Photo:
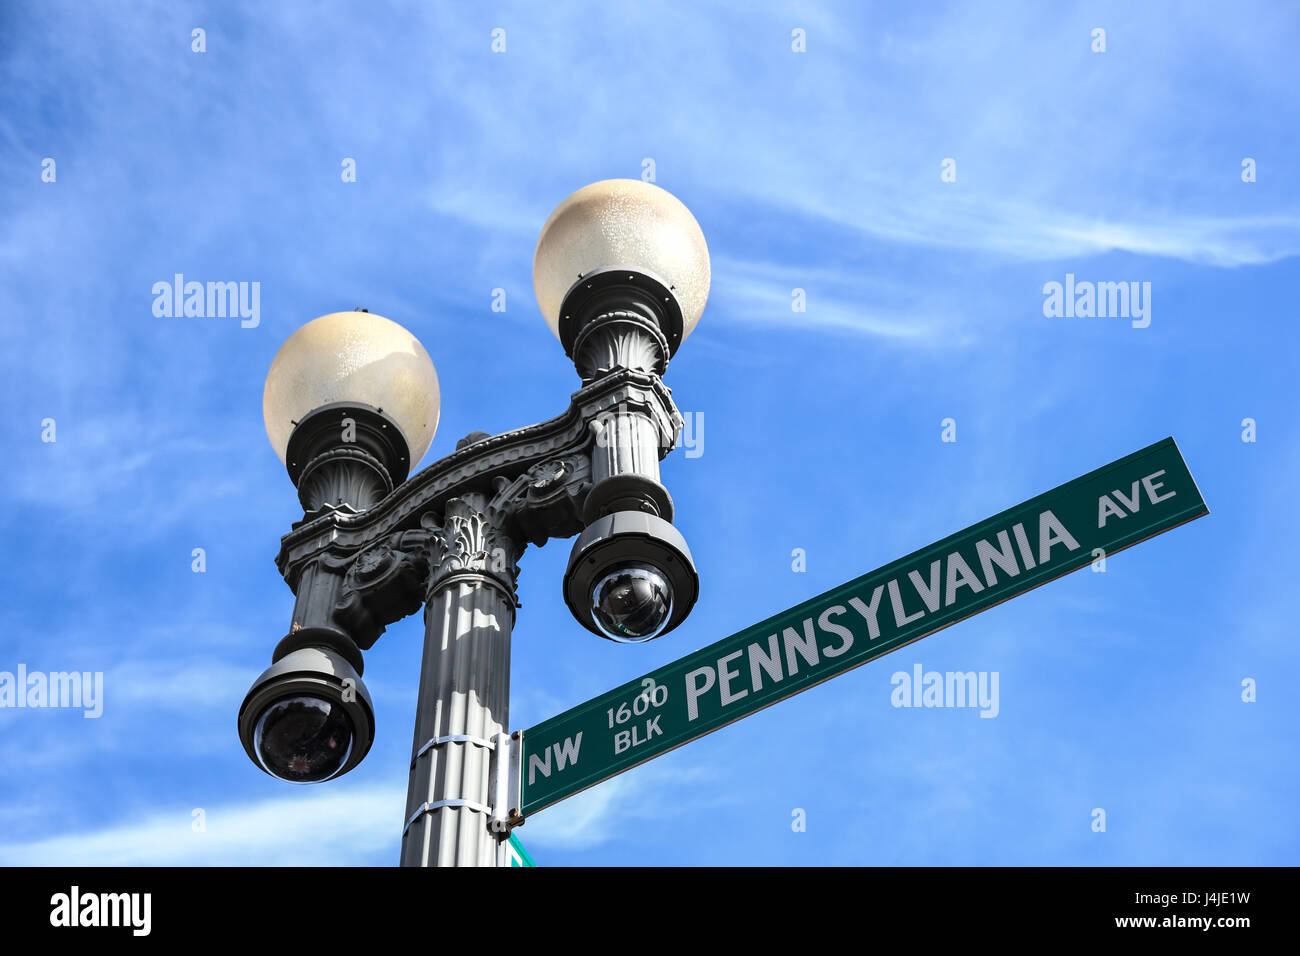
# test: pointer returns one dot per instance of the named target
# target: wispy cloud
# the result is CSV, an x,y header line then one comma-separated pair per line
x,y
762,293
328,827
654,791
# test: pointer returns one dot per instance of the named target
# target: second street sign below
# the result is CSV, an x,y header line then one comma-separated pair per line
x,y
1100,513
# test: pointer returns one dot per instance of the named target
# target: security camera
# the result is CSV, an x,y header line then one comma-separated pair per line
x,y
630,577
308,718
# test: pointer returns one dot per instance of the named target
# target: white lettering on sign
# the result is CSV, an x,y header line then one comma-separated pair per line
x,y
912,596
652,695
901,617
627,739
929,593
1052,532
839,630
694,690
726,676
961,576
768,661
1108,508
868,611
566,754
1002,556
805,647
1022,542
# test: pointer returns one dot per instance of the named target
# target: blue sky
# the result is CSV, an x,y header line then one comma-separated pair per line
x,y
817,170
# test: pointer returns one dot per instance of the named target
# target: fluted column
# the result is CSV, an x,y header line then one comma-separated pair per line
x,y
464,690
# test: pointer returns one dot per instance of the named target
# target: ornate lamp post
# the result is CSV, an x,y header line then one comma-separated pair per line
x,y
621,273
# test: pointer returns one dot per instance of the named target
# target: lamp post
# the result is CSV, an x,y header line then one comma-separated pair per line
x,y
621,273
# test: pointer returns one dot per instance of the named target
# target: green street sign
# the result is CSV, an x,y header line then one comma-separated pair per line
x,y
516,855
1096,515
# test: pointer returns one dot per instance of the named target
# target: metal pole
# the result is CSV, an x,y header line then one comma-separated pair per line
x,y
464,691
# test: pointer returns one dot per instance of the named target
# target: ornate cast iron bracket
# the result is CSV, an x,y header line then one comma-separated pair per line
x,y
474,511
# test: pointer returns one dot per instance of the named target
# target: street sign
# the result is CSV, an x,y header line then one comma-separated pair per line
x,y
1094,516
516,854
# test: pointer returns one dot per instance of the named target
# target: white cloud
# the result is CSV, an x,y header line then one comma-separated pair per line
x,y
320,828
333,827
585,820
761,293
658,790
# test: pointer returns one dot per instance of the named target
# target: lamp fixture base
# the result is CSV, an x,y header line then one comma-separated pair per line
x,y
620,317
346,455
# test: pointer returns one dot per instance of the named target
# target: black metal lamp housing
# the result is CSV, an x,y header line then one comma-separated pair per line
x,y
630,577
308,717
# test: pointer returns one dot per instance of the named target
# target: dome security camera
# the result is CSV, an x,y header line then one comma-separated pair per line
x,y
308,717
630,577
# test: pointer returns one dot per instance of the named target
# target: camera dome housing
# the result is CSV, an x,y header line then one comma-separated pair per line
x,y
630,577
308,717
632,603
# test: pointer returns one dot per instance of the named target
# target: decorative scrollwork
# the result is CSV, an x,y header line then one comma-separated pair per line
x,y
546,501
546,476
468,540
383,584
